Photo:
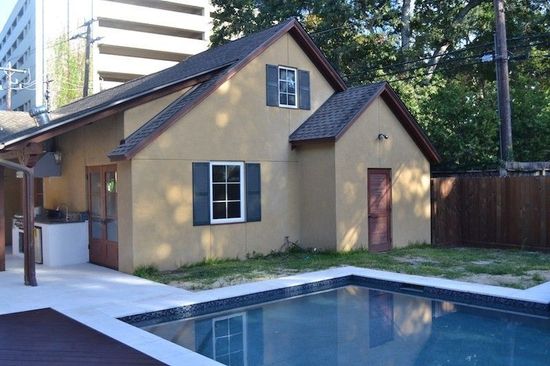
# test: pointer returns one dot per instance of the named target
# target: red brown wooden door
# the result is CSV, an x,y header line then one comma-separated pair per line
x,y
379,209
102,208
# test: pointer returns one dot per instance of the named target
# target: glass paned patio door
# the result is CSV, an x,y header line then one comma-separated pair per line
x,y
102,206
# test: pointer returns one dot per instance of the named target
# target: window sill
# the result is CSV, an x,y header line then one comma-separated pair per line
x,y
227,221
288,107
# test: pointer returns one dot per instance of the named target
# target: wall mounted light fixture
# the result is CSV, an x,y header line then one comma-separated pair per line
x,y
58,157
382,136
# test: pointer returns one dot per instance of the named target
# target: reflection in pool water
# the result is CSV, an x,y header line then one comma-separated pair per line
x,y
354,325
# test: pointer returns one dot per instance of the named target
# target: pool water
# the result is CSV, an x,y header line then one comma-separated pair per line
x,y
354,325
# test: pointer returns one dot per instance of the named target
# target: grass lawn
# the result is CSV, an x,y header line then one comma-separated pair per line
x,y
511,268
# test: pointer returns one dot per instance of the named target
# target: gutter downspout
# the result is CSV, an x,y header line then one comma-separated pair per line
x,y
28,220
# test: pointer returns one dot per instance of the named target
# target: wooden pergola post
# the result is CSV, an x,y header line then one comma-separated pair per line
x,y
28,219
28,233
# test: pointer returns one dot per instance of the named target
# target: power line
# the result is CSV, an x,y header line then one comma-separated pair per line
x,y
444,55
9,75
458,66
447,60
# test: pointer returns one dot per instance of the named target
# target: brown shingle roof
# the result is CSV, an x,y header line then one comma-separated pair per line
x,y
244,50
336,113
342,109
14,122
204,63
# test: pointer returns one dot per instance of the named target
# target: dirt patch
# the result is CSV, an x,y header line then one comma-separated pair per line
x,y
484,262
530,279
232,280
414,260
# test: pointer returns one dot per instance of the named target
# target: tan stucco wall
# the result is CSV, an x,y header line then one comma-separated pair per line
x,y
233,123
125,205
89,146
358,150
164,234
317,196
86,146
135,117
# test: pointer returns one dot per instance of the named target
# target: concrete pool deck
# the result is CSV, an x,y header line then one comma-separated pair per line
x,y
96,296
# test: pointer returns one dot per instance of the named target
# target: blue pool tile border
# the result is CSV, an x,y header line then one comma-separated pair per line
x,y
215,306
461,297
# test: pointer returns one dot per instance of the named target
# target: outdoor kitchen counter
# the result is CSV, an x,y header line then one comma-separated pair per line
x,y
58,242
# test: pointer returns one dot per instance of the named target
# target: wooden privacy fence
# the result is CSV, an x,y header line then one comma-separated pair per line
x,y
511,212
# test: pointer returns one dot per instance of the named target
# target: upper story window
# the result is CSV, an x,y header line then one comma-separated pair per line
x,y
287,87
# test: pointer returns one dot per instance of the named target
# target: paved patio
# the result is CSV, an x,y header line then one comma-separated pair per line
x,y
96,296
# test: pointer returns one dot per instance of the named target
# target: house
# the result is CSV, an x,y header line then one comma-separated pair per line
x,y
238,150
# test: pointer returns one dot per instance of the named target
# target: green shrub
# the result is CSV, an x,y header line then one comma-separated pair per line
x,y
149,272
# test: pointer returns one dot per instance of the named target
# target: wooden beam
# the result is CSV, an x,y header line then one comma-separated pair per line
x,y
28,234
2,221
28,219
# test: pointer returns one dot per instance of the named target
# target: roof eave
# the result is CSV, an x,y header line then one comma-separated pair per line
x,y
304,40
360,111
176,85
311,49
407,120
296,142
411,125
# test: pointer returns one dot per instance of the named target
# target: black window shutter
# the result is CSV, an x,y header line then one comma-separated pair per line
x,y
272,87
303,90
201,194
253,192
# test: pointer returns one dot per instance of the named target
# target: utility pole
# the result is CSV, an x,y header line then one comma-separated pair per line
x,y
503,84
87,35
9,75
48,81
87,61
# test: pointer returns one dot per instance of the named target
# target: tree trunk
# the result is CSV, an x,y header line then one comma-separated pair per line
x,y
436,56
406,15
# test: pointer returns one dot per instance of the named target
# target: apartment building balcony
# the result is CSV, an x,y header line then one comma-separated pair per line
x,y
146,45
117,15
124,68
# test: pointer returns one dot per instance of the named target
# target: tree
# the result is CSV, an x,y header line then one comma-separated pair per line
x,y
66,70
430,51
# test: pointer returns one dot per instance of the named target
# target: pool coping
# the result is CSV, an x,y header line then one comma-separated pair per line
x,y
173,354
415,288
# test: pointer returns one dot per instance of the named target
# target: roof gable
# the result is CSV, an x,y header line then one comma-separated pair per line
x,y
332,118
150,130
218,63
342,109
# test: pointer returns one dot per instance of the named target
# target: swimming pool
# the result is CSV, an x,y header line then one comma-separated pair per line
x,y
358,322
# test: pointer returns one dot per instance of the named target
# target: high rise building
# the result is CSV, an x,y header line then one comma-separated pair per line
x,y
127,38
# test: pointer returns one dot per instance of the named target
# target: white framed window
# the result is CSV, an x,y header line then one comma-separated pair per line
x,y
227,197
288,87
229,339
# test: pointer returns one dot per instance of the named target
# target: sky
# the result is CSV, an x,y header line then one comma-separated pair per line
x,y
6,6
